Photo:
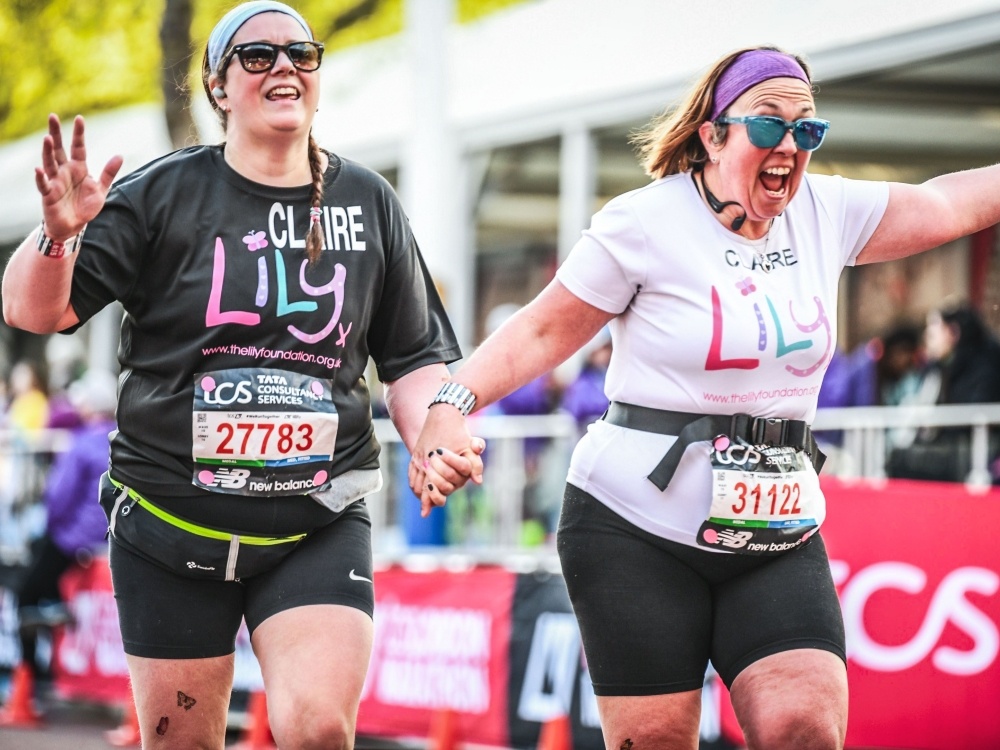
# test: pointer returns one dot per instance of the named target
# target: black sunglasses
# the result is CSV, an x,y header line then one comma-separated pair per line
x,y
765,131
260,57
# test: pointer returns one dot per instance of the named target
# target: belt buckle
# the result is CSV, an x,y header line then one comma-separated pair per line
x,y
769,430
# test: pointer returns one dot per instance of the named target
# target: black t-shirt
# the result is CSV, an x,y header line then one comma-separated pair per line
x,y
211,270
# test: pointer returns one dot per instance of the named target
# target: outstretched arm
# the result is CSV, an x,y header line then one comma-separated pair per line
x,y
540,336
921,217
36,287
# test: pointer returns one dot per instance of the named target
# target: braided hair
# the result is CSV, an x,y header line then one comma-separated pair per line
x,y
314,239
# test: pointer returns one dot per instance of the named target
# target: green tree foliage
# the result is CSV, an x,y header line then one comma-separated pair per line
x,y
67,56
70,56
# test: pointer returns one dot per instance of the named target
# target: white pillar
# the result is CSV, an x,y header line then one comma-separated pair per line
x,y
577,188
431,182
577,185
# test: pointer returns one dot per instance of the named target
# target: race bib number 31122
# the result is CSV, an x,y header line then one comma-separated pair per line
x,y
766,498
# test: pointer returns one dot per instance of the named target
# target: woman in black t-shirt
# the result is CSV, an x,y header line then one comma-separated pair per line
x,y
258,277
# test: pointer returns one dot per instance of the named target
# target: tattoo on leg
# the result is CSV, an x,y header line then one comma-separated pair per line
x,y
161,728
626,745
185,701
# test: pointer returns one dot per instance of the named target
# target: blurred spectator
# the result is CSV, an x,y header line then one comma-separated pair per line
x,y
883,371
66,359
963,367
899,366
965,353
29,402
584,398
75,523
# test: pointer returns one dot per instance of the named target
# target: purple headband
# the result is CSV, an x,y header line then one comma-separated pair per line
x,y
749,69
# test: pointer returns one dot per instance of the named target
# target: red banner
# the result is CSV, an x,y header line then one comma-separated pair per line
x,y
915,563
441,644
89,661
918,573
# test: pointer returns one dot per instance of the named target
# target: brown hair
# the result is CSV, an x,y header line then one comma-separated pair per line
x,y
314,238
670,143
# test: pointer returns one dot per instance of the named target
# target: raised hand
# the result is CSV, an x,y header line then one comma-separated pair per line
x,y
70,195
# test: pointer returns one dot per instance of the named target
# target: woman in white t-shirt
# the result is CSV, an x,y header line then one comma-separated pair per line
x,y
688,525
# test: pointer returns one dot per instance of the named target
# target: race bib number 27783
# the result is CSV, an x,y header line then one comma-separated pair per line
x,y
261,431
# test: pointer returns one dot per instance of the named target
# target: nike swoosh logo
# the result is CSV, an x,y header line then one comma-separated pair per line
x,y
355,577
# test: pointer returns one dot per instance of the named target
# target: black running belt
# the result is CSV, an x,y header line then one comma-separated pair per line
x,y
691,428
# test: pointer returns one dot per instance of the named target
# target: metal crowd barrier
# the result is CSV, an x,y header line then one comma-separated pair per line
x,y
526,462
865,447
25,459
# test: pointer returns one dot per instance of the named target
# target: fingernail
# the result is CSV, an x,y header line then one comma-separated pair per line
x,y
426,463
430,487
439,451
430,454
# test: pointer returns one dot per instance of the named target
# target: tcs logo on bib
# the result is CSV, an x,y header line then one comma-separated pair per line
x,y
229,393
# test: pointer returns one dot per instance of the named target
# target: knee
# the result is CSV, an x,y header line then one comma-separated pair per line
x,y
315,733
314,730
794,730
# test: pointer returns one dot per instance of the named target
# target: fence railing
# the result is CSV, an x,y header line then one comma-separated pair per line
x,y
867,431
516,508
25,459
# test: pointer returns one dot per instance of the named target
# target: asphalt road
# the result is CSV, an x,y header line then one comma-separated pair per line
x,y
78,726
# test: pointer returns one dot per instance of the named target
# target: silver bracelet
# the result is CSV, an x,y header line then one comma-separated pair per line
x,y
456,395
54,249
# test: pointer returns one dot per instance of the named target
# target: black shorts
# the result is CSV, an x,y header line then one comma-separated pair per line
x,y
652,612
164,615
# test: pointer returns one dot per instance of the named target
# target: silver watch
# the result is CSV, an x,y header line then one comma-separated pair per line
x,y
458,396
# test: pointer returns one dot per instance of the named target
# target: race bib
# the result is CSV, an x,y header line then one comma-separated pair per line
x,y
262,432
766,499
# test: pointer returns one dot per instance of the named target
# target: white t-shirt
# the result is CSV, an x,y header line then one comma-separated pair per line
x,y
702,328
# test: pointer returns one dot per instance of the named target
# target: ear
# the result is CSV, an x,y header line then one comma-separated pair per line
x,y
215,86
706,131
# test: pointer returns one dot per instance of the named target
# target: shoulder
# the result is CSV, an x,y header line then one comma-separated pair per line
x,y
674,187
357,174
823,188
631,213
191,160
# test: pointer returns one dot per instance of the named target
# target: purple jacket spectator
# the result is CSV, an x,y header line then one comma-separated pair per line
x,y
75,520
531,399
584,398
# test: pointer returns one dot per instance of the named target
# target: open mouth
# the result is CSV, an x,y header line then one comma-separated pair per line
x,y
774,180
282,93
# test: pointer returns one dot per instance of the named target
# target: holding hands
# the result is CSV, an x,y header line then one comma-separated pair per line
x,y
445,457
71,197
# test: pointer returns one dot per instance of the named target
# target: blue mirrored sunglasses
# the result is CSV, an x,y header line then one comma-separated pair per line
x,y
765,131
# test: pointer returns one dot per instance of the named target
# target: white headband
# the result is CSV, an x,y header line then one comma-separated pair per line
x,y
226,28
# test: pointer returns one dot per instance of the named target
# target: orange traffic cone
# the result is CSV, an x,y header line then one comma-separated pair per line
x,y
127,733
257,735
556,734
20,709
444,732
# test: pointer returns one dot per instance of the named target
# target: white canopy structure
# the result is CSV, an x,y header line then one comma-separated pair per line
x,y
912,88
